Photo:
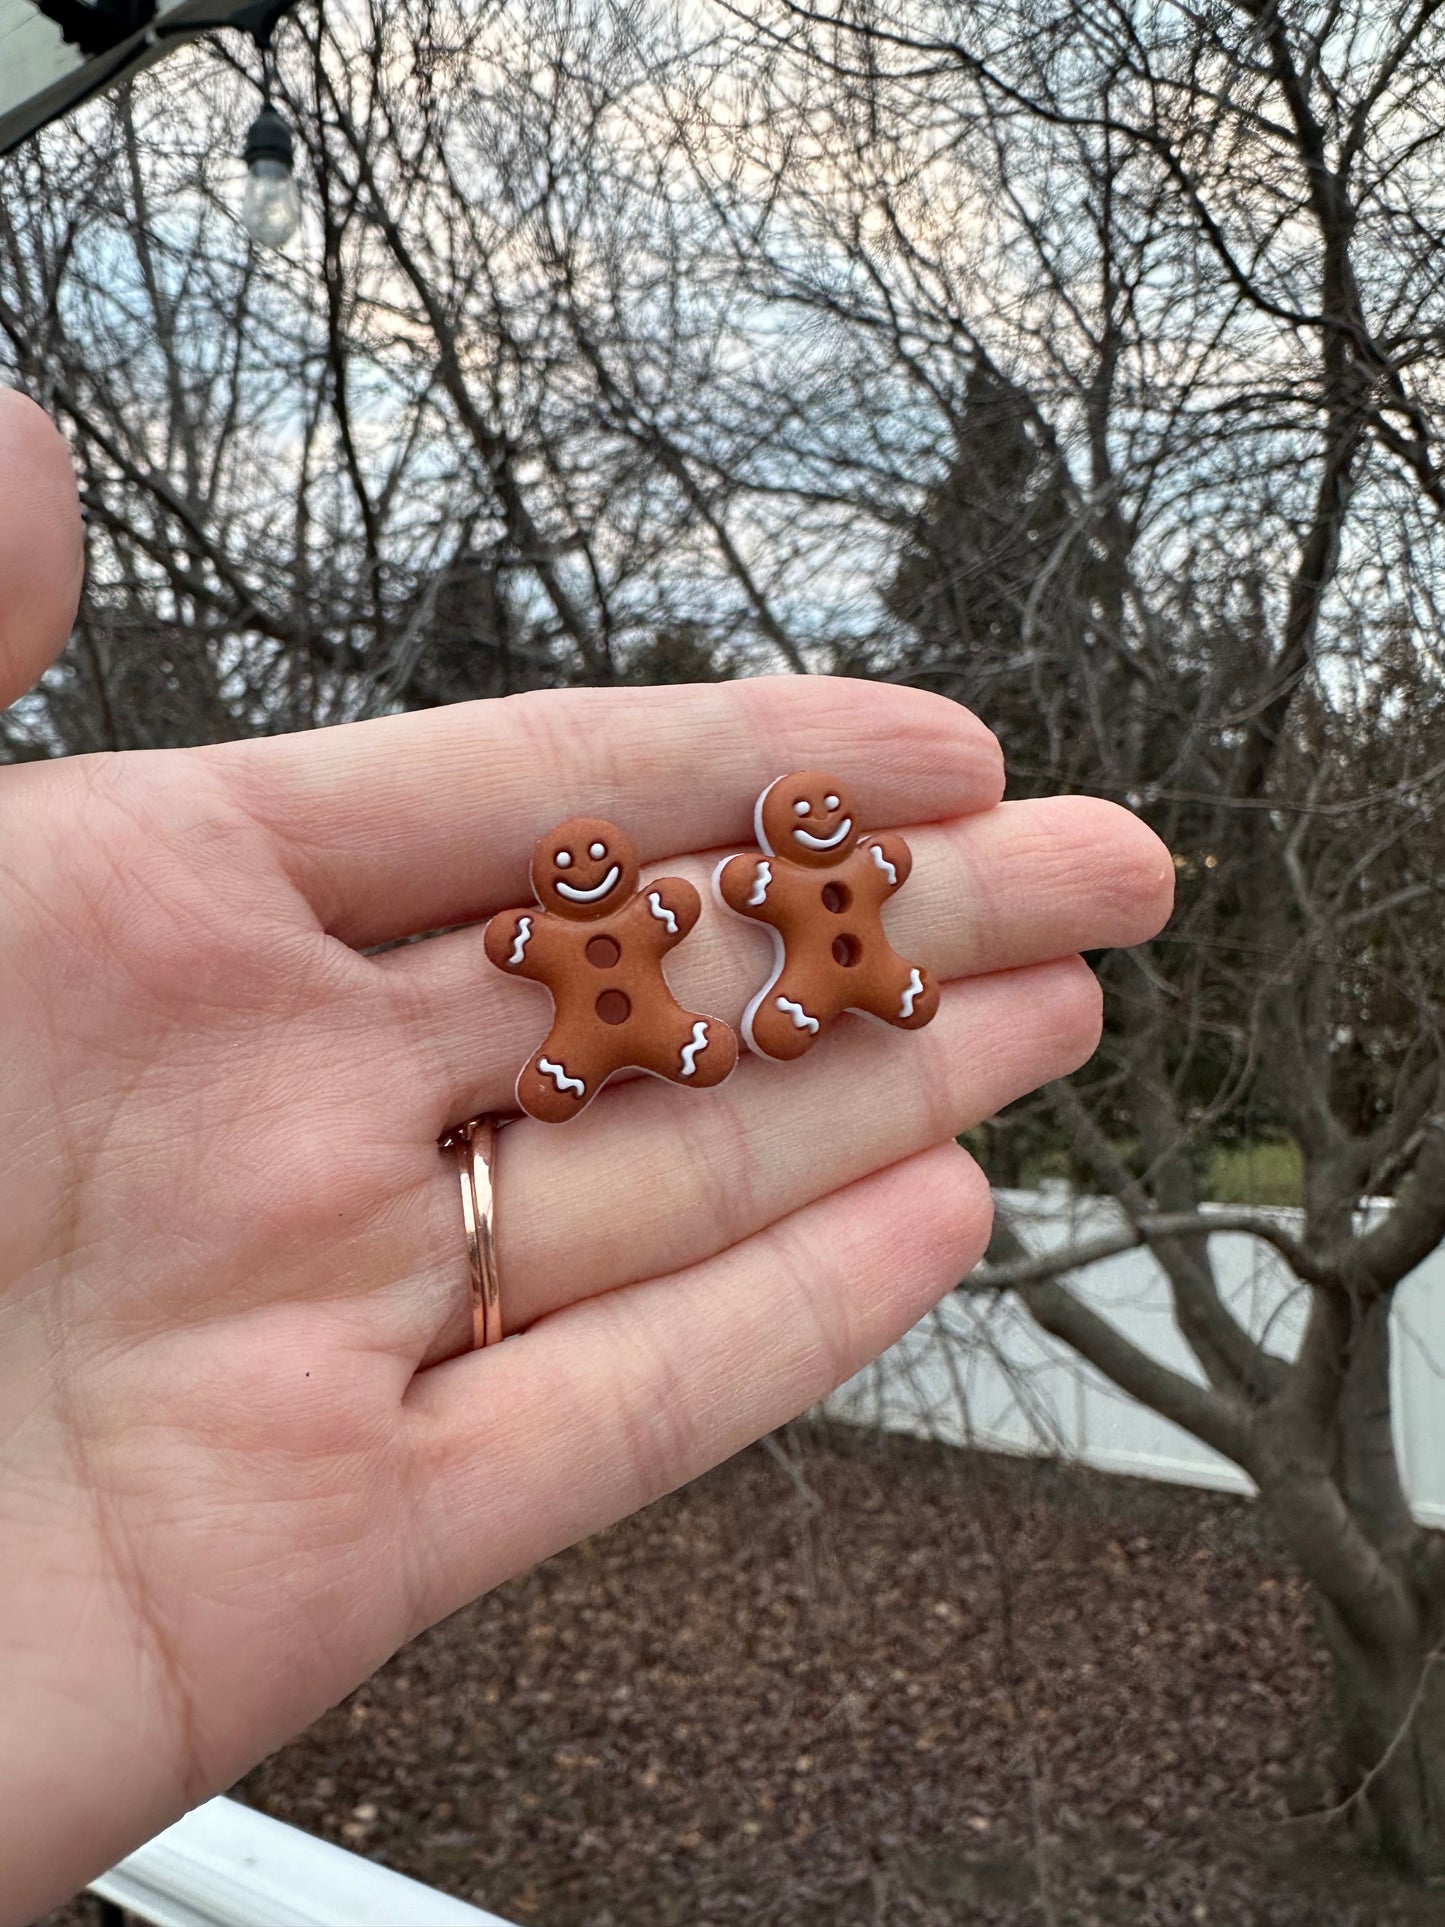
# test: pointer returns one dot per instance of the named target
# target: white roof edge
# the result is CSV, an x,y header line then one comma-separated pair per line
x,y
86,76
225,1865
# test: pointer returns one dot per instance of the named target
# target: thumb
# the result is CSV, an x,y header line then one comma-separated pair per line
x,y
42,553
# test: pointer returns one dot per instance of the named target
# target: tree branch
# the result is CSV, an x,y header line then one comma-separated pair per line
x,y
1160,1228
1219,1419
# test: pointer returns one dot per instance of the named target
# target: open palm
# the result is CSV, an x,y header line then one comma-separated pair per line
x,y
241,1458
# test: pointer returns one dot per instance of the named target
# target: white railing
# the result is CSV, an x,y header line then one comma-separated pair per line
x,y
226,1865
979,1371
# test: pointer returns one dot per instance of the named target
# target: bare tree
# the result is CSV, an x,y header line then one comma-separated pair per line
x,y
433,452
1160,293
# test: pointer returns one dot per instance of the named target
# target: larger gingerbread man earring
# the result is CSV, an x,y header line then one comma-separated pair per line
x,y
822,886
597,942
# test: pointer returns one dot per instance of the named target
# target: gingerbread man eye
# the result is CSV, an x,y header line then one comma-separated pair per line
x,y
800,809
564,859
597,851
830,802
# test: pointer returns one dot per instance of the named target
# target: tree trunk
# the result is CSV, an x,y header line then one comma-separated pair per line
x,y
1391,1706
1325,1461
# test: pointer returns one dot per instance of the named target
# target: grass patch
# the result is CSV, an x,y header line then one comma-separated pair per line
x,y
1265,1171
1268,1172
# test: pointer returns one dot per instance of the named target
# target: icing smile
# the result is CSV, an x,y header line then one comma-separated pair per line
x,y
596,893
811,842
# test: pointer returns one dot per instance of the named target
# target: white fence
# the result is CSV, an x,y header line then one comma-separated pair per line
x,y
978,1371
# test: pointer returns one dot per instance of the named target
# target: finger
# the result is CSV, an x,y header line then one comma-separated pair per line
x,y
519,1451
414,822
41,545
993,891
652,1180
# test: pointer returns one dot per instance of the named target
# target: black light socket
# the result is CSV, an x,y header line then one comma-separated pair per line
x,y
270,139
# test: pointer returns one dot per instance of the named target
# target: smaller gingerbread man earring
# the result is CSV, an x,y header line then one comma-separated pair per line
x,y
821,886
597,942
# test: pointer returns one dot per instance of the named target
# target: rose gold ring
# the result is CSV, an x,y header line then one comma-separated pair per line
x,y
475,1144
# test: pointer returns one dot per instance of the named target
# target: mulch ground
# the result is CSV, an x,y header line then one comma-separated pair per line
x,y
876,1682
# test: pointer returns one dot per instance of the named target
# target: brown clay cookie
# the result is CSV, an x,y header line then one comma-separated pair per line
x,y
821,886
597,942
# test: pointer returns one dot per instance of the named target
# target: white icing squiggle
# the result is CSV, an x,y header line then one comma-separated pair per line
x,y
558,1075
760,883
524,937
912,994
875,851
690,1051
800,1017
660,910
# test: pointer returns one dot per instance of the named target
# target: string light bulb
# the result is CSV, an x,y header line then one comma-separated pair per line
x,y
271,204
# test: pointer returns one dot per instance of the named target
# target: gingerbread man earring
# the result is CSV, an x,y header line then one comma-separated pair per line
x,y
821,887
597,942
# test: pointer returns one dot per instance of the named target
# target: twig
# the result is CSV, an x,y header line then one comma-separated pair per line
x,y
1360,1793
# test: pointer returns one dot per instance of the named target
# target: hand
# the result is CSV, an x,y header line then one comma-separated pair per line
x,y
235,1472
